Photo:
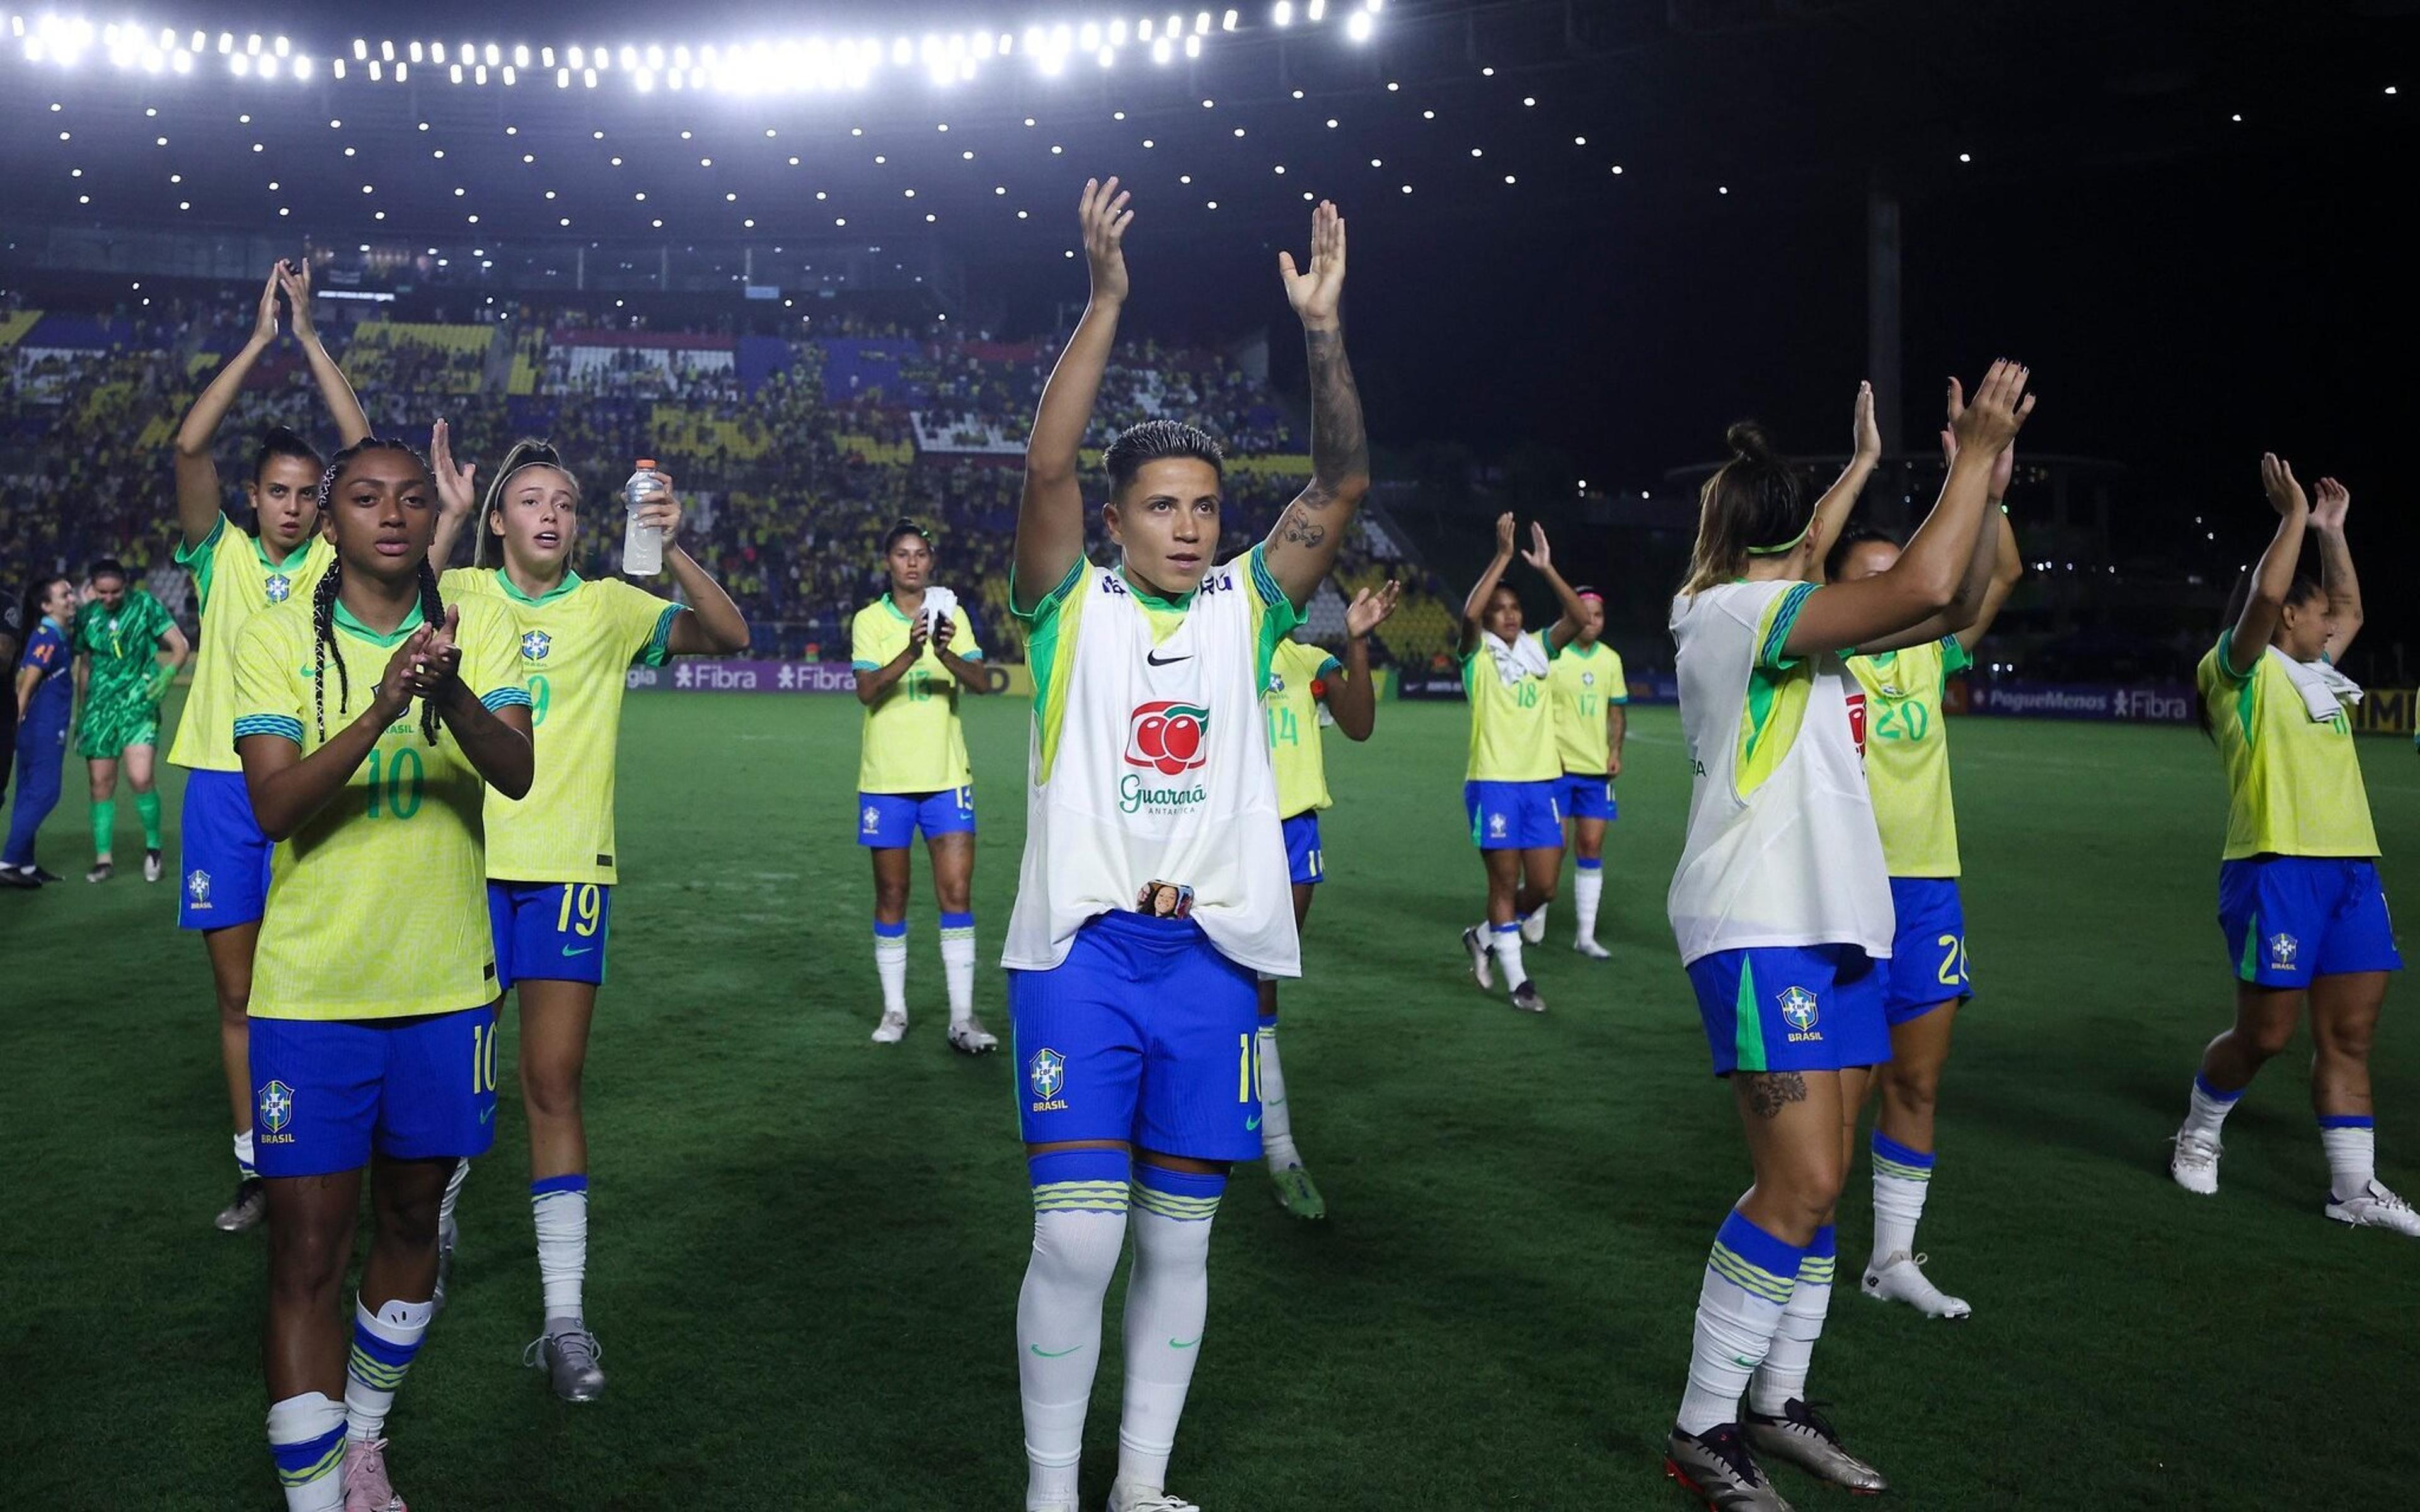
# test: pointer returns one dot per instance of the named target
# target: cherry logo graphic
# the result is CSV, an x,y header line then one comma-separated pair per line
x,y
1857,719
1166,736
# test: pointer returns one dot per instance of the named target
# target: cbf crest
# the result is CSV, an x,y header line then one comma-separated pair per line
x,y
276,1107
1046,1074
278,586
1798,1011
535,644
197,887
2283,949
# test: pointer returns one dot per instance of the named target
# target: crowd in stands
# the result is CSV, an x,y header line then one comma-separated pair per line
x,y
794,456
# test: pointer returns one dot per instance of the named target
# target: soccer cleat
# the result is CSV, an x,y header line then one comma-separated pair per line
x,y
1526,998
245,1210
1297,1194
152,866
1802,1436
892,1028
2195,1164
569,1354
969,1037
13,877
1593,950
448,1235
1900,1278
1718,1469
1476,944
101,872
2375,1206
40,875
1127,1497
1534,926
366,1488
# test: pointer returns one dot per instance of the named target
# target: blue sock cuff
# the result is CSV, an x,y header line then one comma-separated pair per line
x,y
1824,1245
1886,1148
1514,928
2203,1087
1179,1183
1062,1165
1591,863
1743,1238
2347,1120
890,932
381,1361
576,1181
957,920
299,1463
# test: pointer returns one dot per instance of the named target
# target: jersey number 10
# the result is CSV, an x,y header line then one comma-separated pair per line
x,y
402,793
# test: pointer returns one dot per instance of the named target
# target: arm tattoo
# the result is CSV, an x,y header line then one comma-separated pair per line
x,y
1769,1093
1298,527
1340,448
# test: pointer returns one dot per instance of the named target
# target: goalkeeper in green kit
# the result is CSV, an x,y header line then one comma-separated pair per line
x,y
120,678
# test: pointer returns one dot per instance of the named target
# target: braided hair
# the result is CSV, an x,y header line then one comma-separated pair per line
x,y
323,603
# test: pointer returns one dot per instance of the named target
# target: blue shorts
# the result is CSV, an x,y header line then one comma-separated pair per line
x,y
1583,797
889,821
550,930
2288,919
1791,1007
325,1093
224,854
1928,963
1304,864
1515,816
1143,1034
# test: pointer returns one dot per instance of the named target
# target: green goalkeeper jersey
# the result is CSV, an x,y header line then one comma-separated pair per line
x,y
124,645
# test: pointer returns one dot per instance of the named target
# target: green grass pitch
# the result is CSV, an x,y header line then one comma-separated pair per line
x,y
806,1249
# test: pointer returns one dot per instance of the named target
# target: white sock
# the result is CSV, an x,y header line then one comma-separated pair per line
x,y
447,1229
1277,1119
1783,1374
1505,940
1749,1279
1533,925
1168,1296
243,1157
1079,1229
1587,887
2208,1108
559,1204
1902,1178
958,964
307,1438
2351,1144
383,1344
890,965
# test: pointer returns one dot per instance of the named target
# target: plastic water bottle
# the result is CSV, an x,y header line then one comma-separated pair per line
x,y
642,546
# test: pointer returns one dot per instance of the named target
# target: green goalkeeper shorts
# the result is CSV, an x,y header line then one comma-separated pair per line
x,y
107,729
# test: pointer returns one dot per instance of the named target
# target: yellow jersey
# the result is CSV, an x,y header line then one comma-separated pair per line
x,y
1907,754
571,646
233,580
1291,710
912,741
1585,680
378,906
2293,783
1511,727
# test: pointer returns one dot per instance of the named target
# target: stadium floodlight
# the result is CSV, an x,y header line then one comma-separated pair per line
x,y
227,43
655,57
374,70
1317,9
418,53
402,72
280,47
1193,47
1201,25
510,74
251,44
1161,51
1359,27
495,55
240,65
454,73
589,78
520,56
1227,23
361,50
268,66
1283,14
386,51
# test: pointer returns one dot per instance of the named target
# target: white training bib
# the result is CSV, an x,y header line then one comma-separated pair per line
x,y
1160,773
1782,848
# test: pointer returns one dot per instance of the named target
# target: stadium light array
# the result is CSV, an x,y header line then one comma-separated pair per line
x,y
797,65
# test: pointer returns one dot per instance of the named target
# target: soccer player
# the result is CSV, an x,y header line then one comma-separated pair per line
x,y
2299,899
121,632
12,640
914,653
45,699
370,724
1152,888
1303,680
1591,716
551,852
1508,786
1906,745
237,574
1781,908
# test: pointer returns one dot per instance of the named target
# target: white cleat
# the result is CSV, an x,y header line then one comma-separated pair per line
x,y
2375,1206
892,1028
1476,943
1533,928
970,1038
2195,1164
1900,1278
1127,1497
1593,950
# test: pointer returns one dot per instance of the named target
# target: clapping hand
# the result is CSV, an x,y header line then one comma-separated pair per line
x,y
1865,432
1317,294
1369,610
455,495
2004,467
1538,556
2328,509
1104,218
2285,496
1989,422
1504,537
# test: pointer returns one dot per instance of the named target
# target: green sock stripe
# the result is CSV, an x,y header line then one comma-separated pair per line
x,y
1900,1170
375,1373
1749,1278
1080,1196
1819,1273
326,1465
1171,1205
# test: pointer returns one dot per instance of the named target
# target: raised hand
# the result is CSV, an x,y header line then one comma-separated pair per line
x,y
1504,537
2004,467
920,631
439,657
943,628
2328,509
2285,496
264,319
1538,556
1369,610
664,511
1104,218
295,279
1989,422
456,496
1317,294
1865,432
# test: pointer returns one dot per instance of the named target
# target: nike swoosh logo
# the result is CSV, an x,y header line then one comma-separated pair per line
x,y
1185,1343
1253,1122
487,1115
583,951
1157,661
1054,1354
